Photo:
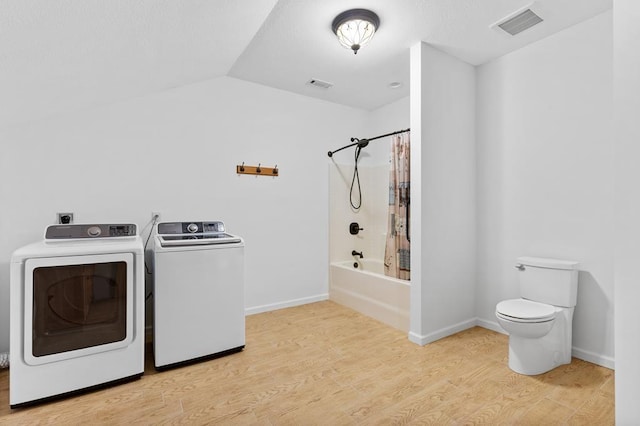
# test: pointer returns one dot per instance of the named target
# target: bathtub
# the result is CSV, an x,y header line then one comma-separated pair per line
x,y
367,290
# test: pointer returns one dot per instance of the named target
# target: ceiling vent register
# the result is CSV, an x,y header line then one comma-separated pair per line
x,y
319,83
520,22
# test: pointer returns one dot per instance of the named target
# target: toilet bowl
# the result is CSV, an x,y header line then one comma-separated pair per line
x,y
540,322
538,340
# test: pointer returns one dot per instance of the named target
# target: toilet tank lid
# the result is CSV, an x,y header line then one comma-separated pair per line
x,y
541,262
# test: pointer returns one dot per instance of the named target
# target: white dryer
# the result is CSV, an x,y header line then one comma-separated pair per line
x,y
198,292
77,311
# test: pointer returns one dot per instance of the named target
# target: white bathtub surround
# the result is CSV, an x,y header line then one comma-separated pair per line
x,y
372,216
367,290
374,178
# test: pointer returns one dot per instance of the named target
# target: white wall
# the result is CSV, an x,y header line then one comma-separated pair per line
x,y
175,152
373,168
545,170
626,37
389,118
442,194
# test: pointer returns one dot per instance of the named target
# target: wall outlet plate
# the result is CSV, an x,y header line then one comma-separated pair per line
x,y
64,218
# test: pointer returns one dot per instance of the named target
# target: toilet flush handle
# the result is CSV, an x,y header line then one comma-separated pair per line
x,y
520,267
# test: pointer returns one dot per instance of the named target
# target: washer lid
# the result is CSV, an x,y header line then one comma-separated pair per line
x,y
197,239
527,310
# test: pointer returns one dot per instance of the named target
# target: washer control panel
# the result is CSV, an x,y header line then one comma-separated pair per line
x,y
175,234
172,228
90,231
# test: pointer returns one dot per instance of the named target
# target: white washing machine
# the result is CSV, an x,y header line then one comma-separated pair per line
x,y
77,311
198,292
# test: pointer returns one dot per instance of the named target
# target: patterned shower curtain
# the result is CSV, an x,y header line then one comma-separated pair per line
x,y
397,250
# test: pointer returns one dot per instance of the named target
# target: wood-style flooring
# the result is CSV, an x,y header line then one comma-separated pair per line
x,y
328,365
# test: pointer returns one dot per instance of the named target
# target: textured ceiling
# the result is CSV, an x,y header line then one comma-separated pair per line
x,y
61,55
296,43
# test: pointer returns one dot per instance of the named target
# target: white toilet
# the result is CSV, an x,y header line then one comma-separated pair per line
x,y
539,324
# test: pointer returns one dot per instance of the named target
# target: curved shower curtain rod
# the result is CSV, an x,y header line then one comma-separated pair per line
x,y
365,141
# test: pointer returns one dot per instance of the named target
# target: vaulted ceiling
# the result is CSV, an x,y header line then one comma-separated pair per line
x,y
61,55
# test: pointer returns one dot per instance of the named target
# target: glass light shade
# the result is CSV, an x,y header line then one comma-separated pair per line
x,y
354,28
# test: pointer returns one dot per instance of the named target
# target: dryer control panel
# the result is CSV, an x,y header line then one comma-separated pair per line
x,y
89,231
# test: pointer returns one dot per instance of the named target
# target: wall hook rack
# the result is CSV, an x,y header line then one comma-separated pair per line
x,y
257,170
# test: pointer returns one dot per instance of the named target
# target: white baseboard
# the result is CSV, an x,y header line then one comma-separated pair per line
x,y
444,332
148,331
490,325
585,355
594,358
286,304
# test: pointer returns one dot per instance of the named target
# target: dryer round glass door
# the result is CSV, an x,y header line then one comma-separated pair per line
x,y
76,306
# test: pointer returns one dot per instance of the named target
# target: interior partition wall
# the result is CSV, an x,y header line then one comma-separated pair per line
x,y
442,194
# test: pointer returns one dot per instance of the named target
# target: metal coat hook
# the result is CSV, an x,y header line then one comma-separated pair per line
x,y
242,167
275,170
259,170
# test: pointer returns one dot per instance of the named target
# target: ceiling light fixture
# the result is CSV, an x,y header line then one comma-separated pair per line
x,y
355,27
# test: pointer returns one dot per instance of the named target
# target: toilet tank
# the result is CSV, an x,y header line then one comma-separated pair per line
x,y
550,281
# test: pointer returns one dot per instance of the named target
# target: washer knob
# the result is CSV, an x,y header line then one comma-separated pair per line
x,y
94,231
192,227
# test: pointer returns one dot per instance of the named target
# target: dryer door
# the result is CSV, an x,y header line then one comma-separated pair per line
x,y
77,305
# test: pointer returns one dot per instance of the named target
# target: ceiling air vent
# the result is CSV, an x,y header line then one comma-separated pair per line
x,y
519,22
319,83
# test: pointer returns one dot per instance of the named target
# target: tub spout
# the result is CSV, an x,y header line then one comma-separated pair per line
x,y
356,253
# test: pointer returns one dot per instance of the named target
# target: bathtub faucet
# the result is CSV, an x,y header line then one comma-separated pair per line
x,y
356,253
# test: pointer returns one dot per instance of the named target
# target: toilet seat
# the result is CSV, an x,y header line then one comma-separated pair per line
x,y
524,311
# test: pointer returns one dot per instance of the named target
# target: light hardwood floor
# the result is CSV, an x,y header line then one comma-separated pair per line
x,y
326,364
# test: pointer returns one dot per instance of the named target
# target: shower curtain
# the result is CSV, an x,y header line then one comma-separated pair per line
x,y
397,250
